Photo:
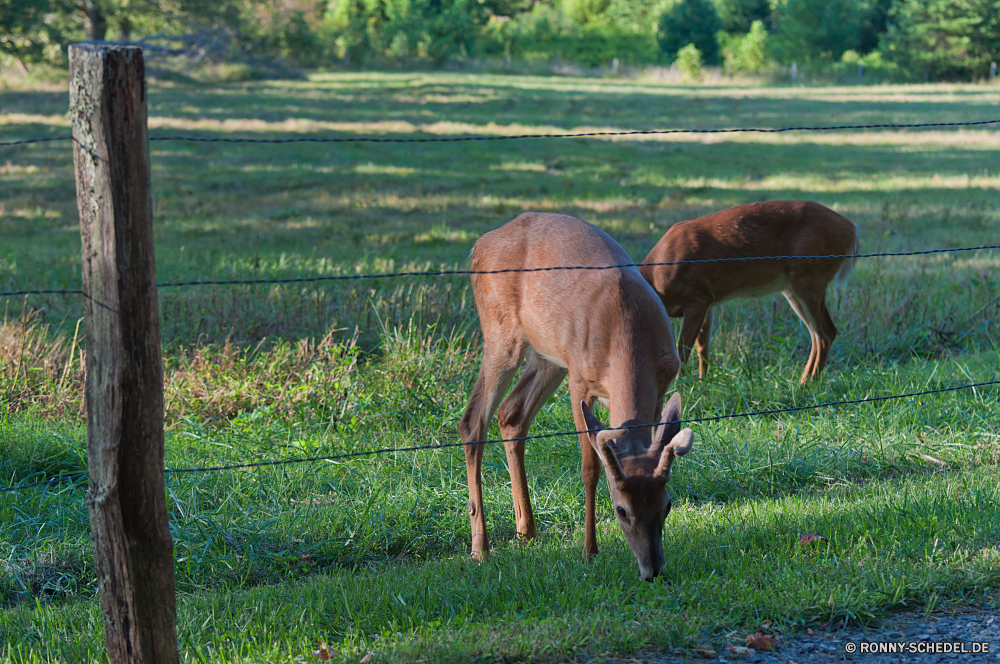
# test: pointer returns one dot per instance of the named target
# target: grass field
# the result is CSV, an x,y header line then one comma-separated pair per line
x,y
370,555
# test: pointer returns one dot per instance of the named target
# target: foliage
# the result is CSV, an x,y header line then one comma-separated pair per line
x,y
944,39
816,31
437,29
639,17
447,28
874,23
547,32
689,62
22,23
737,16
690,22
585,11
950,39
750,52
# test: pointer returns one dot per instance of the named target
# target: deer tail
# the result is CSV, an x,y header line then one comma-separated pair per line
x,y
847,267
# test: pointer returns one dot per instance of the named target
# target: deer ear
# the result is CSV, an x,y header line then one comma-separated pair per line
x,y
594,425
670,422
679,446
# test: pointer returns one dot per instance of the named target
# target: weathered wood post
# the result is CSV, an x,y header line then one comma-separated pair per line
x,y
126,496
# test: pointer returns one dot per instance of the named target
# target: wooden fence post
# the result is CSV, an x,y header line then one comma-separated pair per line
x,y
126,496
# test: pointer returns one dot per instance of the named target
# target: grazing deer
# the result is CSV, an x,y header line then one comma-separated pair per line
x,y
609,332
771,228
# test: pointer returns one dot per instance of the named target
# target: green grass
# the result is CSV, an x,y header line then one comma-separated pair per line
x,y
371,554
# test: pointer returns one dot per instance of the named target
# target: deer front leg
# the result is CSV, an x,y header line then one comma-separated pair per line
x,y
591,472
477,518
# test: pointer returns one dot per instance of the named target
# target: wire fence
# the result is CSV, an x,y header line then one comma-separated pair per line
x,y
441,273
517,137
420,448
433,273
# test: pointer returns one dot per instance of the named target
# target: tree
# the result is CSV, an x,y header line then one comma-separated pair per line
x,y
946,39
95,15
815,31
585,11
20,22
737,16
874,23
635,16
448,28
690,22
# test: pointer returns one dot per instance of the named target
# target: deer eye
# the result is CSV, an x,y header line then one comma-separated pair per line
x,y
621,512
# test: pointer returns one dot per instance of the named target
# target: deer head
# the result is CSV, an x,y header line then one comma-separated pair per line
x,y
637,480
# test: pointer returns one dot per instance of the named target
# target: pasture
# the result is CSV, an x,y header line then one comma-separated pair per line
x,y
371,554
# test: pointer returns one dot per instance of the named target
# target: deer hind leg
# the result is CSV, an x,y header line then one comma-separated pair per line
x,y
701,343
695,315
538,382
825,329
811,309
500,362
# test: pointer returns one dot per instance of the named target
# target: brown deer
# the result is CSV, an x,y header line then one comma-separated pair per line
x,y
609,332
771,228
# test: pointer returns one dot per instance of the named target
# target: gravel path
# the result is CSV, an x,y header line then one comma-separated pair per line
x,y
915,632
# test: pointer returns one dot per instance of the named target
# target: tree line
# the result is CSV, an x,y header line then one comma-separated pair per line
x,y
899,39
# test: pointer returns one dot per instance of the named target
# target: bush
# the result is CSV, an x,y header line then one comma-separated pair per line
x,y
690,22
751,51
689,62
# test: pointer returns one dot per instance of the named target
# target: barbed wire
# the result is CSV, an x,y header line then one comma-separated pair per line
x,y
515,137
53,480
420,448
439,273
45,291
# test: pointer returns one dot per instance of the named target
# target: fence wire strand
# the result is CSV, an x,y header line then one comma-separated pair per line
x,y
420,448
77,477
516,137
441,273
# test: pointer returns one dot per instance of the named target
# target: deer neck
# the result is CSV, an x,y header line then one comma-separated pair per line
x,y
632,393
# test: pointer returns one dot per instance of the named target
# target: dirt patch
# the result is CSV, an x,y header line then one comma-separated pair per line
x,y
914,635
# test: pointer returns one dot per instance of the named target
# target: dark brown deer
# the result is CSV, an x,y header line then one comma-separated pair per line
x,y
608,331
771,228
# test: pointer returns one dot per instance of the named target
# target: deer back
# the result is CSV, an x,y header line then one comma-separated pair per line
x,y
608,327
770,228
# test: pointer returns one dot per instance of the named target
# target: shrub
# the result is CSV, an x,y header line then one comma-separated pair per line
x,y
751,52
689,62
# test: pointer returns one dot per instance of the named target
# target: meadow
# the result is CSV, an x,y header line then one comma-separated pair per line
x,y
370,555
